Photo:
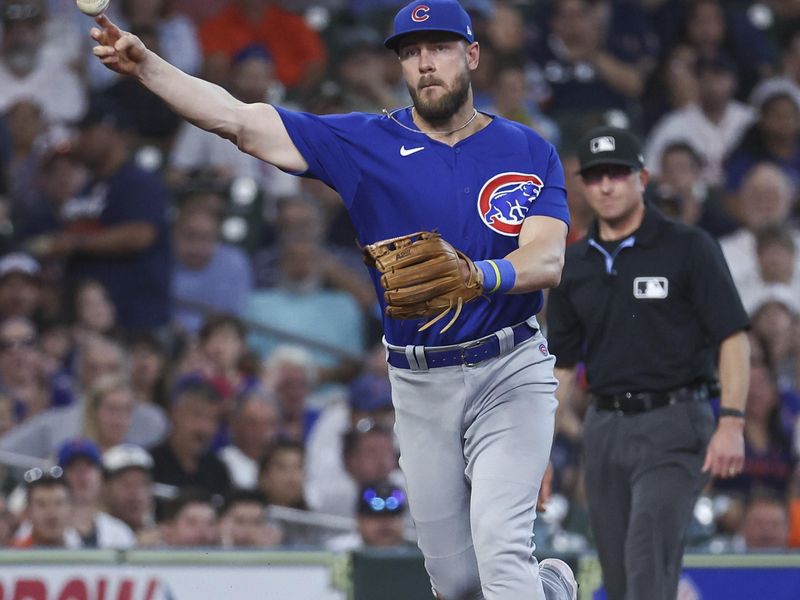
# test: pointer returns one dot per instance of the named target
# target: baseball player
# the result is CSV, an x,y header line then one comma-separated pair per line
x,y
474,399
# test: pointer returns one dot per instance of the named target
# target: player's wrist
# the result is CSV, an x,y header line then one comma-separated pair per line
x,y
498,276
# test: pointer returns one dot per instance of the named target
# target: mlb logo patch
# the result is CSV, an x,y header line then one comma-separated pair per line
x,y
543,349
650,288
605,143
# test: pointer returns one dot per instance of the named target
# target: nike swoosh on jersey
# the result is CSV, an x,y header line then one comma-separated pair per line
x,y
410,151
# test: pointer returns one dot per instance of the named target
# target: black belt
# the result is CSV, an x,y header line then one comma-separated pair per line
x,y
639,402
468,353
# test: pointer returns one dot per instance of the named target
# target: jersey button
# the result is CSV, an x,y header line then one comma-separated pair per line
x,y
466,190
458,150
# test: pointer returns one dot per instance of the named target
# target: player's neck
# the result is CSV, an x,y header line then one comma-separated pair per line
x,y
466,121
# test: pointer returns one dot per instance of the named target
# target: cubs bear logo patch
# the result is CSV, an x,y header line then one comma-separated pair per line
x,y
504,200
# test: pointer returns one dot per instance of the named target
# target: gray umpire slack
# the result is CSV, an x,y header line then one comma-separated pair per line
x,y
474,444
642,480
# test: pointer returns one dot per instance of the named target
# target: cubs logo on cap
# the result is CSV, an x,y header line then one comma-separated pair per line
x,y
431,15
504,200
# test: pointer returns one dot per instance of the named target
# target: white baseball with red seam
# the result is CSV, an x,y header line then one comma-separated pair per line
x,y
92,7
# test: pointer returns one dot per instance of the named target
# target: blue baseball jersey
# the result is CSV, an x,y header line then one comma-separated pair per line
x,y
476,194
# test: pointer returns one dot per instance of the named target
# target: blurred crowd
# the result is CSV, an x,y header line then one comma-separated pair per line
x,y
190,347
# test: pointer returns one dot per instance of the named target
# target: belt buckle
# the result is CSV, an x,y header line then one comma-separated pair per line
x,y
469,346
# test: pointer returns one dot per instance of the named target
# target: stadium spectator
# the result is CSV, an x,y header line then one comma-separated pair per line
x,y
360,70
775,323
47,512
281,478
115,230
223,345
82,465
190,520
303,305
778,270
710,27
20,286
109,412
98,359
368,402
773,138
765,525
254,426
21,375
298,51
712,125
380,520
207,271
767,197
681,192
149,359
512,100
195,150
93,313
589,68
369,455
26,126
185,459
244,522
317,213
291,375
768,459
281,474
26,71
60,177
128,489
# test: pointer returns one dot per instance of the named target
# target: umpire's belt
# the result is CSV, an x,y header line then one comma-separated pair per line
x,y
422,358
639,402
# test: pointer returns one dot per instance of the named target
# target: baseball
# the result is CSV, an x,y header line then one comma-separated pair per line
x,y
92,7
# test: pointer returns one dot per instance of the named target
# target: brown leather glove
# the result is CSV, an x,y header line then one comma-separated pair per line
x,y
422,276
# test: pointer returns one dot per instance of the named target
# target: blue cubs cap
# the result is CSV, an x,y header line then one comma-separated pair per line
x,y
370,392
78,448
431,15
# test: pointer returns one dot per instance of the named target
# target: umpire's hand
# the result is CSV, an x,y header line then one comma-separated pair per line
x,y
725,454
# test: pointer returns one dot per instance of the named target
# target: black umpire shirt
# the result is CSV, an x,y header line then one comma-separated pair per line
x,y
647,313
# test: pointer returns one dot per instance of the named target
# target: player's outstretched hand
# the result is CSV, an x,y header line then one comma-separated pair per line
x,y
119,50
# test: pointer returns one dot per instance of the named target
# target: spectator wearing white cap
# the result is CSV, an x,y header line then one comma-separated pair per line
x,y
775,135
128,489
19,285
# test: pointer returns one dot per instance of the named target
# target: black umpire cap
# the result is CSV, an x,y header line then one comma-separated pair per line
x,y
609,146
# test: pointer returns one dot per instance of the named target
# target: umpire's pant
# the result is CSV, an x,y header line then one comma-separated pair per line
x,y
642,480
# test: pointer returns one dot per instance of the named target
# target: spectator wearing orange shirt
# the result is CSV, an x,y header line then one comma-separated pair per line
x,y
297,49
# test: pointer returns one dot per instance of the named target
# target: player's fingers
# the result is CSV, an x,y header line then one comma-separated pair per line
x,y
110,60
103,51
125,42
708,463
96,34
108,26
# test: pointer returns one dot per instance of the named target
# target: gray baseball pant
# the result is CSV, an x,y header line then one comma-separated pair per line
x,y
642,480
474,444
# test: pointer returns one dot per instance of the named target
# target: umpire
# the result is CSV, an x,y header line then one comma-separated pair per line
x,y
647,303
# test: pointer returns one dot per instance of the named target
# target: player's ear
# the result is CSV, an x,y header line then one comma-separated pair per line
x,y
644,178
473,55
